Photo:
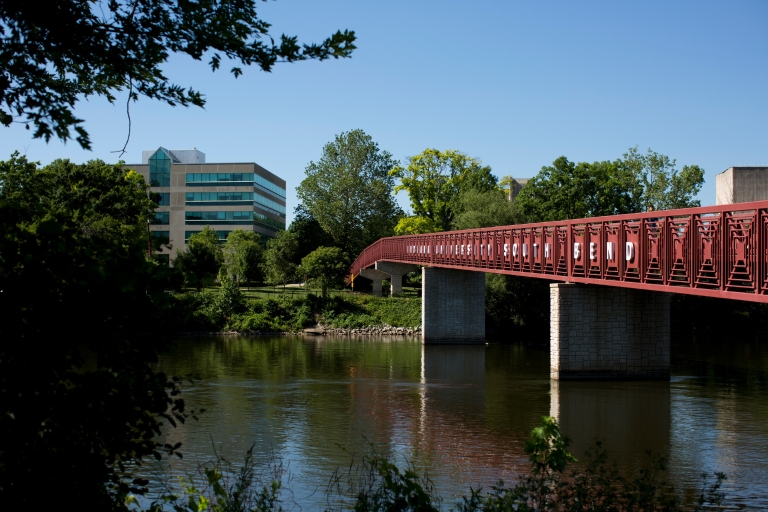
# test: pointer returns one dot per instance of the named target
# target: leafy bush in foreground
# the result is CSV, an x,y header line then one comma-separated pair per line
x,y
377,485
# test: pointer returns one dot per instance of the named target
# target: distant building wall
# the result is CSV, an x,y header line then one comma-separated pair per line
x,y
516,186
741,185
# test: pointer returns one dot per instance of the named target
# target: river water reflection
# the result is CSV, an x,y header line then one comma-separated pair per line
x,y
464,412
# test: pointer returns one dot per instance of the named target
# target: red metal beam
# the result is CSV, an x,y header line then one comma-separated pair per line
x,y
713,251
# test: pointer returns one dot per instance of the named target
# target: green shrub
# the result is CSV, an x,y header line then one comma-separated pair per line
x,y
210,312
230,299
258,322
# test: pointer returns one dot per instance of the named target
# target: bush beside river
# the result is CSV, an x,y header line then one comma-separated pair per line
x,y
219,311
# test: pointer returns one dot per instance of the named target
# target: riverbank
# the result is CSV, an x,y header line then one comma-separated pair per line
x,y
348,314
320,330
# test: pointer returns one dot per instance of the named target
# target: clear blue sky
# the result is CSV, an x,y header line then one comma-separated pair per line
x,y
516,84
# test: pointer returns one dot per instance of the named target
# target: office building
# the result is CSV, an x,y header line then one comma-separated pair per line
x,y
192,194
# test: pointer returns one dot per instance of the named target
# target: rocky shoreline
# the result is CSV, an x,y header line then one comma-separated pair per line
x,y
321,330
371,330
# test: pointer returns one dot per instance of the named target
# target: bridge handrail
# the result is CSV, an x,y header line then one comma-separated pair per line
x,y
726,256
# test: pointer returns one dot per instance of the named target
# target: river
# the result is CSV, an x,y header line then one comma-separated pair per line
x,y
463,413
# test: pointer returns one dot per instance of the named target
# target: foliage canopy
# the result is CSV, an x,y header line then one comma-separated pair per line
x,y
326,267
349,191
435,180
244,255
78,404
201,259
568,190
278,263
308,231
54,55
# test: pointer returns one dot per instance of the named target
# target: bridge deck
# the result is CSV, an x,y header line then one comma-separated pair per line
x,y
716,251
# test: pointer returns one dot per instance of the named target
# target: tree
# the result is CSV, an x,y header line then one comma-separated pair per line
x,y
201,259
230,299
484,210
278,258
82,408
309,233
566,190
243,255
349,191
663,186
325,268
434,181
414,225
52,57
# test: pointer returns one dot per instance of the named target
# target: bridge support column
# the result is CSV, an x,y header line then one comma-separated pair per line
x,y
601,332
376,277
396,272
452,306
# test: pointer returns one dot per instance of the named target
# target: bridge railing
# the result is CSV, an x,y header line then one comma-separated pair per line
x,y
712,251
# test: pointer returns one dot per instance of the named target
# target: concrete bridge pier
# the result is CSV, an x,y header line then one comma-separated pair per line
x,y
452,306
396,272
387,270
376,277
602,332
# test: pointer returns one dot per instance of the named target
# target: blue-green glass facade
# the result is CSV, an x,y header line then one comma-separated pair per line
x,y
162,218
268,186
233,218
160,169
269,204
162,198
201,179
217,198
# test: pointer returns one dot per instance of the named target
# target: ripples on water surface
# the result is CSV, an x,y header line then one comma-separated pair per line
x,y
464,412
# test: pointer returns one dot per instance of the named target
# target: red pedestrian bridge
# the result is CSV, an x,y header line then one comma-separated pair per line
x,y
715,251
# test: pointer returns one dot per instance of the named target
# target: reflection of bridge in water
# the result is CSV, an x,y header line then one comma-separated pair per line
x,y
627,417
609,304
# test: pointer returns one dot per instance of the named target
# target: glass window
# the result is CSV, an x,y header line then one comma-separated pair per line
x,y
222,235
162,198
226,177
160,169
163,237
269,204
262,182
219,197
246,217
163,218
215,216
268,223
159,180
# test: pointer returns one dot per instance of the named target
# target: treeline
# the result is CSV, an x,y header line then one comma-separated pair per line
x,y
244,260
348,201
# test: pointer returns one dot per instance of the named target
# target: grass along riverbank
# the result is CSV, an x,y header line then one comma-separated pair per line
x,y
296,291
219,310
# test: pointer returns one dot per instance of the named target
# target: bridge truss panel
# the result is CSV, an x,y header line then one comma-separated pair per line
x,y
719,251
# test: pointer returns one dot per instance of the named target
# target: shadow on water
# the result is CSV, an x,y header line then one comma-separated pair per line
x,y
464,412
